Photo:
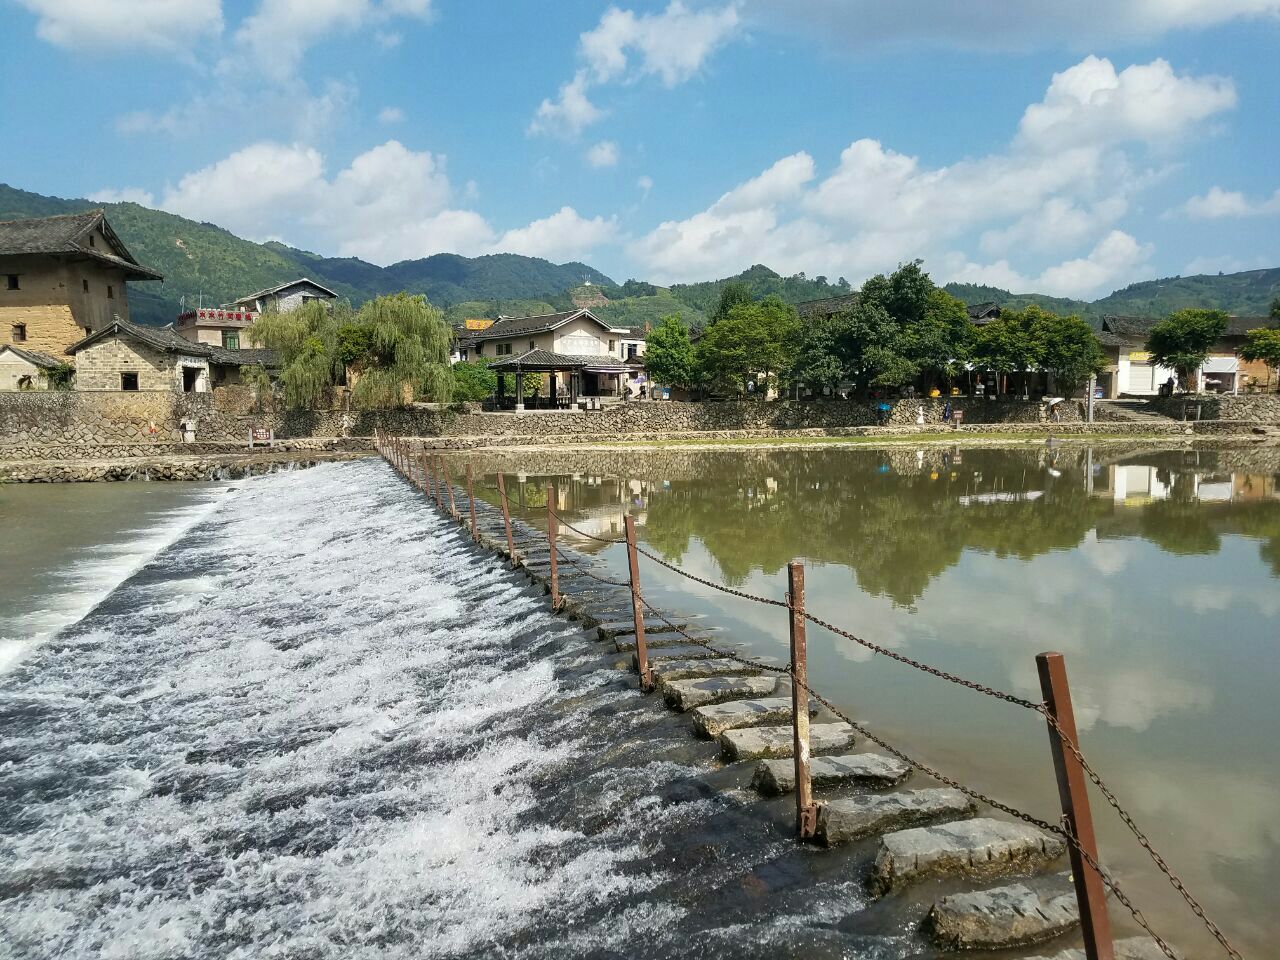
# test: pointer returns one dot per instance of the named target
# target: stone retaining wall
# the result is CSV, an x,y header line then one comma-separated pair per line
x,y
1253,407
163,468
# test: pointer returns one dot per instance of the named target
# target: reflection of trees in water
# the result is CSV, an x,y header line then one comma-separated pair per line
x,y
899,524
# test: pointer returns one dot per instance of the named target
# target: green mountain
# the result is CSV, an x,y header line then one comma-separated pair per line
x,y
203,263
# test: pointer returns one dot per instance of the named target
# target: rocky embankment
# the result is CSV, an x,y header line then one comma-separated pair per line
x,y
209,466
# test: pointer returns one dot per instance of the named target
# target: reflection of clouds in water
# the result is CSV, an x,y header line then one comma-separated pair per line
x,y
1135,698
1108,557
1218,597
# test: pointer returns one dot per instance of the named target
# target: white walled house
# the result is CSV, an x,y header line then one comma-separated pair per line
x,y
284,297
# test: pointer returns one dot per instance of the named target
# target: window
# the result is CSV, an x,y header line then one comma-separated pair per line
x,y
612,345
532,345
128,381
111,292
84,285
631,351
462,355
92,240
479,349
230,339
12,281
19,333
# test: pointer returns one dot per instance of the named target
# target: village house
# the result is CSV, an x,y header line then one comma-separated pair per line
x,y
226,326
26,369
126,356
1135,375
62,278
582,355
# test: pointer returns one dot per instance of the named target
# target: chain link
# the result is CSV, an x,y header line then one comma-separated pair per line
x,y
708,583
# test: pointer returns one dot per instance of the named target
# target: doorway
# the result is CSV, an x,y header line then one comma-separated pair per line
x,y
190,376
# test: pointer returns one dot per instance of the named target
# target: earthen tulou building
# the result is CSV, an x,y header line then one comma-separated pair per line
x,y
62,279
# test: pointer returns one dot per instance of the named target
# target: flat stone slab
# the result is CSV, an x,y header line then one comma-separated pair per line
x,y
685,695
716,718
1011,916
775,777
613,628
982,847
760,743
668,670
686,651
852,818
1131,948
659,641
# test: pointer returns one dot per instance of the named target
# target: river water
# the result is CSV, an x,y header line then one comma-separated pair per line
x,y
313,721
1157,575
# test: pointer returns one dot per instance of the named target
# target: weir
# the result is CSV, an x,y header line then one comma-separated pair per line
x,y
924,833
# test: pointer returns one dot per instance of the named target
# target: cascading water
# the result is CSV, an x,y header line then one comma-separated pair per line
x,y
322,724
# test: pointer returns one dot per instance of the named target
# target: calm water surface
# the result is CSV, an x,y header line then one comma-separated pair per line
x,y
65,546
1157,575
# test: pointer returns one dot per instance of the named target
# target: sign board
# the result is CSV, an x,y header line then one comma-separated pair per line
x,y
1139,356
476,323
261,435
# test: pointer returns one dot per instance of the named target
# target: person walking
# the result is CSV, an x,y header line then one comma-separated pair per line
x,y
946,412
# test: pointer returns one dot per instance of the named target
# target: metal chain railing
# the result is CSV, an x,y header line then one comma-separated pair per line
x,y
1062,830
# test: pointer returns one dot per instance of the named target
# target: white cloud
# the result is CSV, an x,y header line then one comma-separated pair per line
x,y
603,154
103,25
624,46
861,24
673,44
124,195
1061,186
390,115
644,184
1219,203
568,114
389,204
274,39
1093,103
565,235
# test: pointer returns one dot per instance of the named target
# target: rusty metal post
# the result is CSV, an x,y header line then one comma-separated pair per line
x,y
506,518
1073,791
552,503
448,485
439,484
471,495
806,809
637,611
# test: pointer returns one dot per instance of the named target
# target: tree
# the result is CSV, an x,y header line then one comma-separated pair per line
x,y
473,381
1263,346
753,341
1065,347
939,341
818,359
392,350
1182,340
1275,309
870,346
1007,344
732,294
668,353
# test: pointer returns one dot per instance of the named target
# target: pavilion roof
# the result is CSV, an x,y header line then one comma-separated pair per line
x,y
544,361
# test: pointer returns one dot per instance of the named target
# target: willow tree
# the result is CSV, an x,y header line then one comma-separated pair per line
x,y
390,351
408,352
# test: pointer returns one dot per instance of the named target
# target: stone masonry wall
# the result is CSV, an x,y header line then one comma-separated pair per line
x,y
1258,407
99,366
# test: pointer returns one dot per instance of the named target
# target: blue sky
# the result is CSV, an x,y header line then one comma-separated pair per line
x,y
1065,148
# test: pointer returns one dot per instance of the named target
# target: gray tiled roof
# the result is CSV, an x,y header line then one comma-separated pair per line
x,y
42,360
828,307
285,286
1141,326
67,235
168,340
544,359
521,326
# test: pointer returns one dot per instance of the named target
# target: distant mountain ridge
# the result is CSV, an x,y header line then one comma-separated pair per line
x,y
206,264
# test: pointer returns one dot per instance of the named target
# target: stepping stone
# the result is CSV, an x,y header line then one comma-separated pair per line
x,y
684,695
775,777
716,718
983,847
688,651
669,670
852,818
627,644
614,628
1131,948
760,743
1011,916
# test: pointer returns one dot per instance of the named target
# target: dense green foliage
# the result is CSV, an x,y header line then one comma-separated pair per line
x,y
392,350
760,282
1034,338
492,309
750,347
473,381
1182,340
669,356
1263,346
639,311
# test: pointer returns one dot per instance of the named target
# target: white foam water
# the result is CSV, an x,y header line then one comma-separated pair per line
x,y
299,733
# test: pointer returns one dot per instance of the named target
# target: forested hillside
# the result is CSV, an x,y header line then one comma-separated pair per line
x,y
203,263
